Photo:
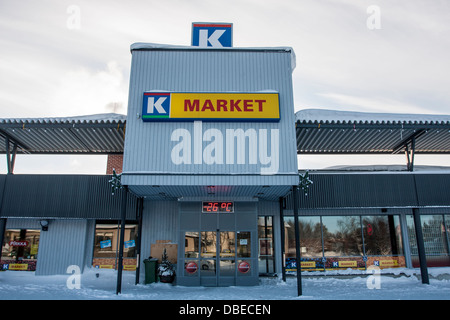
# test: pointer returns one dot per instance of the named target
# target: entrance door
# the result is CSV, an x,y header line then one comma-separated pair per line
x,y
218,258
220,248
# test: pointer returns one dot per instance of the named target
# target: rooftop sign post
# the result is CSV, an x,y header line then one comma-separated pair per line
x,y
213,35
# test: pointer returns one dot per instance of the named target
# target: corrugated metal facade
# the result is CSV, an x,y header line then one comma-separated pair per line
x,y
159,222
375,190
433,190
147,155
67,242
62,196
64,246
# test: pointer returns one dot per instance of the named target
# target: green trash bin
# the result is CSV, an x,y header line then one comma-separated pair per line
x,y
150,270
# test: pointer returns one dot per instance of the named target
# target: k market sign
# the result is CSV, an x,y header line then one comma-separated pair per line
x,y
208,106
212,35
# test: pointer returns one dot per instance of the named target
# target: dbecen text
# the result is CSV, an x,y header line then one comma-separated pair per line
x,y
242,309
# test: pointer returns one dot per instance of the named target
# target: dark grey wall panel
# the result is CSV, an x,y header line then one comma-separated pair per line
x,y
375,190
433,189
62,196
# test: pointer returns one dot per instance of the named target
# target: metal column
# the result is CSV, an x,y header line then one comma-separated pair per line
x,y
297,240
282,236
2,233
419,237
140,205
420,247
10,157
122,236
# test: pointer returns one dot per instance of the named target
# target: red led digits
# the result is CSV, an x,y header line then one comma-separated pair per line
x,y
219,206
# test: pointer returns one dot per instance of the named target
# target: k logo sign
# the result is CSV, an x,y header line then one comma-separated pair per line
x,y
156,105
215,35
210,106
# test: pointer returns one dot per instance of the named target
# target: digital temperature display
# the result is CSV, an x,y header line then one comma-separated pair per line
x,y
217,206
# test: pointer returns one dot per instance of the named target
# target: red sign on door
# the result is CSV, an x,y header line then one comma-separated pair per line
x,y
191,267
244,267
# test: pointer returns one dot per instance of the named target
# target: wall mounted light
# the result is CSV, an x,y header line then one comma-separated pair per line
x,y
44,225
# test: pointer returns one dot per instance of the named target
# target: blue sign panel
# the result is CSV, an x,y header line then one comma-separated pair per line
x,y
156,105
129,244
105,244
215,35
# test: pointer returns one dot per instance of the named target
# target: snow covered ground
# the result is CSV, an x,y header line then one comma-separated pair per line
x,y
393,284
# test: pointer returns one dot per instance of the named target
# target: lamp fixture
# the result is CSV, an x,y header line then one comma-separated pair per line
x,y
44,225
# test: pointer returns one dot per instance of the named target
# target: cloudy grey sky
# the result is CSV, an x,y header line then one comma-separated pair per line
x,y
66,58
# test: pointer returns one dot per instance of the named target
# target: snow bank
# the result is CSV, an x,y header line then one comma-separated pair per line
x,y
16,285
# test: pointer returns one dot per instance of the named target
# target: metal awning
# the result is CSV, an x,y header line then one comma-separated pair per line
x,y
318,132
341,132
92,134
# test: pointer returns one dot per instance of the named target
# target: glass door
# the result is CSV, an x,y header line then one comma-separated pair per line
x,y
218,258
227,258
208,256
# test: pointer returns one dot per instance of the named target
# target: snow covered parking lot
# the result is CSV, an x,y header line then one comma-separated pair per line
x,y
393,284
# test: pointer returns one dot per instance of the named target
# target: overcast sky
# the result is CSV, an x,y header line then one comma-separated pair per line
x,y
66,58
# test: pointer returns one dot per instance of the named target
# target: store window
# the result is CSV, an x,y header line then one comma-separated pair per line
x,y
382,235
342,236
191,245
244,244
341,242
106,245
311,250
20,249
436,232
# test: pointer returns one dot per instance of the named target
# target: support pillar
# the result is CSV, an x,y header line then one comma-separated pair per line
x,y
2,233
122,236
420,247
140,205
10,156
297,241
282,236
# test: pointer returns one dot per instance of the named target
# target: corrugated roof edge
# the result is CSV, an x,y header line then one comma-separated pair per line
x,y
380,168
335,116
157,46
94,118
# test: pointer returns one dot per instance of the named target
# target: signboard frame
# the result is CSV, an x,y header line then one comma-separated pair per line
x,y
212,27
173,106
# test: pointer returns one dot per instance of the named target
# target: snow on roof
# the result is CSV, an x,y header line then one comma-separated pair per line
x,y
385,168
156,46
334,116
94,118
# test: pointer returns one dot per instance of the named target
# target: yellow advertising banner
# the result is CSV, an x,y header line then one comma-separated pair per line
x,y
129,267
308,264
347,264
18,266
388,263
211,106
